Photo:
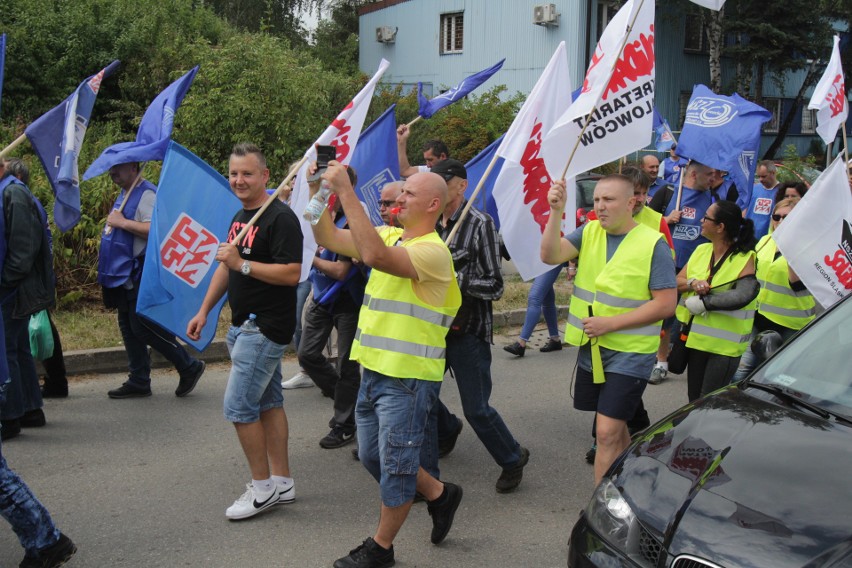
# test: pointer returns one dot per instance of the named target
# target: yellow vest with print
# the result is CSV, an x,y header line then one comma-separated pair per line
x,y
777,301
615,287
723,332
398,334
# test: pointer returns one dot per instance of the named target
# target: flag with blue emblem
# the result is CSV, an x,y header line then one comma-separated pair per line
x,y
192,216
376,161
723,133
57,136
155,130
663,137
430,107
475,170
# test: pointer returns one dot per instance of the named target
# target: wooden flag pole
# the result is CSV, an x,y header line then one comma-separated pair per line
x,y
410,124
472,199
611,71
108,229
828,155
680,184
293,171
13,145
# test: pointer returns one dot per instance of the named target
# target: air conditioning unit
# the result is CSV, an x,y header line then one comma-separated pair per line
x,y
386,34
545,15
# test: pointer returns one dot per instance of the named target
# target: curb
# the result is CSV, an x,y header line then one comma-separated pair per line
x,y
114,359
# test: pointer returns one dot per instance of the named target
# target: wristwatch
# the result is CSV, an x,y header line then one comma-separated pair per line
x,y
245,269
688,282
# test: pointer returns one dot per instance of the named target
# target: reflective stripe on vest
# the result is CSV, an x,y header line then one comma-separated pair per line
x,y
723,332
400,335
777,301
615,287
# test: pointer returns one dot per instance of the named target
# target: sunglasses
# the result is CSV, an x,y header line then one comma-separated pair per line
x,y
387,203
776,217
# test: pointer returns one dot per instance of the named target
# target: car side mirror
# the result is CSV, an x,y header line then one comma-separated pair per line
x,y
765,344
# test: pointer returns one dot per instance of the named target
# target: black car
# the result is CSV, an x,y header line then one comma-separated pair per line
x,y
757,474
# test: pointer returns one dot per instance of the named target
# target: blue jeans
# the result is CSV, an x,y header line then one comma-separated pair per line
x,y
469,357
138,334
22,392
28,517
254,385
302,291
542,298
391,416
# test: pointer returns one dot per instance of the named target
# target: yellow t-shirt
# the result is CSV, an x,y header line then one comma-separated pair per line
x,y
433,265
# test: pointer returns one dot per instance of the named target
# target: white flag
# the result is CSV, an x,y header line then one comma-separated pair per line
x,y
712,4
620,96
343,133
816,237
829,98
520,191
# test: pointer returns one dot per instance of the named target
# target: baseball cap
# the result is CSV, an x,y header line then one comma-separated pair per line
x,y
449,168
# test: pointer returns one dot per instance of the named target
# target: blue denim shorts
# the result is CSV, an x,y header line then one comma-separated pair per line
x,y
254,385
391,417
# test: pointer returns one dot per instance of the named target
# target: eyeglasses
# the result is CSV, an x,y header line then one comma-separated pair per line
x,y
706,218
776,217
387,203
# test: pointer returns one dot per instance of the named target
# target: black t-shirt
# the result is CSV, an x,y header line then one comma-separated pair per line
x,y
276,238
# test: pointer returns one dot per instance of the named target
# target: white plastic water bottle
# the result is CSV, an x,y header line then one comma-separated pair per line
x,y
317,204
250,324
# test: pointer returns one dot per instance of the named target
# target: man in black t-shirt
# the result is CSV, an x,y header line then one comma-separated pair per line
x,y
260,276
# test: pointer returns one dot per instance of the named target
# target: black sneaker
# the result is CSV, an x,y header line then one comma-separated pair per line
x,y
355,453
515,349
33,419
511,476
551,345
128,390
187,382
367,555
59,389
590,455
446,445
10,429
337,438
54,555
443,514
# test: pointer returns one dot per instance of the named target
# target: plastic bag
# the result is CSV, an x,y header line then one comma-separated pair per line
x,y
41,336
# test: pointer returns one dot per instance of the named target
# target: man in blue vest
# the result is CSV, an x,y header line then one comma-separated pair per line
x,y
673,166
338,287
120,261
651,166
685,225
761,202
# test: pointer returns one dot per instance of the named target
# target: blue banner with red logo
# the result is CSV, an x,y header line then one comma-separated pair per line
x,y
194,209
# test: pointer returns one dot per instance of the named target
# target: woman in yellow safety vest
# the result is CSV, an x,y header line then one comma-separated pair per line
x,y
784,304
719,298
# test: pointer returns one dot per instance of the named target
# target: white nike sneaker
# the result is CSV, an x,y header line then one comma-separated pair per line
x,y
286,495
300,380
251,503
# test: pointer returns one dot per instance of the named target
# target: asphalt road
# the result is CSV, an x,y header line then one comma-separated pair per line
x,y
145,482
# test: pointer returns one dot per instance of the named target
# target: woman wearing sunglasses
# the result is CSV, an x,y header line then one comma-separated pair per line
x,y
784,304
719,298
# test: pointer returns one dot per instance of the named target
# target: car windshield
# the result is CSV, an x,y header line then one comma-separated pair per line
x,y
815,366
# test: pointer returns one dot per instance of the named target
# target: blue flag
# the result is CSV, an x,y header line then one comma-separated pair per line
x,y
475,170
663,137
194,209
376,161
57,136
154,132
723,133
2,63
428,108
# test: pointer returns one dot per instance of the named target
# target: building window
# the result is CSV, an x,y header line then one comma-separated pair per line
x,y
695,34
452,32
774,106
606,12
809,120
683,103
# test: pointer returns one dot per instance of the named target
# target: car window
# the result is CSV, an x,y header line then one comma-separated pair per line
x,y
586,193
815,364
